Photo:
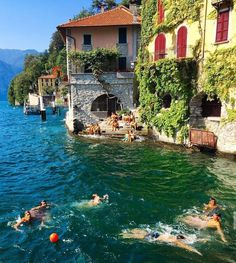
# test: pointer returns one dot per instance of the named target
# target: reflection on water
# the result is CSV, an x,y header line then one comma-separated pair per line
x,y
149,187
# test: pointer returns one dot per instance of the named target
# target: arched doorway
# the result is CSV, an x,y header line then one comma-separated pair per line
x,y
104,105
182,42
160,47
211,108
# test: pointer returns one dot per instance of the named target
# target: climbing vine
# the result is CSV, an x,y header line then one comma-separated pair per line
x,y
167,76
97,60
220,73
177,12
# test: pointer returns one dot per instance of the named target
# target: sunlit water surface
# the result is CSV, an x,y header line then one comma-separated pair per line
x,y
149,187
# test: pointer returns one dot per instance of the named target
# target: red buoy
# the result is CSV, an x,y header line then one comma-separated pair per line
x,y
54,237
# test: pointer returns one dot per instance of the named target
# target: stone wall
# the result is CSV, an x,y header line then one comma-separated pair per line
x,y
85,88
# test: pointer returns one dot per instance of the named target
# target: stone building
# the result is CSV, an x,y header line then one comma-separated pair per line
x,y
92,98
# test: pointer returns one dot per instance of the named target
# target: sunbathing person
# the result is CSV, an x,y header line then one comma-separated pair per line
x,y
201,223
96,199
115,125
97,129
178,240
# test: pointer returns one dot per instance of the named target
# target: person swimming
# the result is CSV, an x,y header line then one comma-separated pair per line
x,y
177,240
202,223
38,212
211,208
96,199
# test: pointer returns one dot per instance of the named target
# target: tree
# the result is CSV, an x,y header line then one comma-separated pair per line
x,y
56,42
83,13
108,4
125,3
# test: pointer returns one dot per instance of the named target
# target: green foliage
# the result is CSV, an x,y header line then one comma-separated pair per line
x,y
212,15
231,117
34,67
19,88
220,73
83,13
170,120
108,4
149,9
177,12
166,76
98,60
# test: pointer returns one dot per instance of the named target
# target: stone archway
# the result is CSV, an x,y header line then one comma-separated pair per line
x,y
104,105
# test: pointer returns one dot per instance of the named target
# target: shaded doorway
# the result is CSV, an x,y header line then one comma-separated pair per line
x,y
211,108
104,105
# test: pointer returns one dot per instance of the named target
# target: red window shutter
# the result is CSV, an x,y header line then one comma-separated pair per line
x,y
182,42
160,12
222,26
160,47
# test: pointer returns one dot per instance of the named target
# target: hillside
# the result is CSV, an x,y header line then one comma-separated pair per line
x,y
11,63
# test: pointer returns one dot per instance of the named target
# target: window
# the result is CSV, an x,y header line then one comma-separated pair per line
x,y
222,26
122,35
87,40
160,47
182,42
160,12
122,63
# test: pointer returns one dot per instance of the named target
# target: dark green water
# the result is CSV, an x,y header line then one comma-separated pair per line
x,y
149,187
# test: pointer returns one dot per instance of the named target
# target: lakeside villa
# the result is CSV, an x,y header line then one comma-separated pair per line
x,y
185,89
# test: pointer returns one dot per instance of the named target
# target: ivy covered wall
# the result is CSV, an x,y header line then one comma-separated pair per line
x,y
173,77
177,78
180,78
220,73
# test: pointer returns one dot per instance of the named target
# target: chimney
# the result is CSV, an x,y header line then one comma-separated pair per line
x,y
102,7
134,10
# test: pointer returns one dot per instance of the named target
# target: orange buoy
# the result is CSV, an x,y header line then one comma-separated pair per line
x,y
54,237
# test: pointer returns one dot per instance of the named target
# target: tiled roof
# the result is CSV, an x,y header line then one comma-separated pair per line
x,y
114,17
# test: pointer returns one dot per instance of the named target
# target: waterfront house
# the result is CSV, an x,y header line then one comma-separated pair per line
x,y
47,84
203,32
92,98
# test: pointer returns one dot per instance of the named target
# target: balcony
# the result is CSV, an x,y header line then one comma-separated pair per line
x,y
221,3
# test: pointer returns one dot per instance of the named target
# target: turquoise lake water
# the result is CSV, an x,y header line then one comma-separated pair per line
x,y
149,187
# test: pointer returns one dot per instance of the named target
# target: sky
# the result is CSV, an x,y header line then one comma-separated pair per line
x,y
29,24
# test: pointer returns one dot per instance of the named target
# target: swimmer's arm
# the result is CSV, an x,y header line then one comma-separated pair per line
x,y
18,224
220,232
187,247
206,207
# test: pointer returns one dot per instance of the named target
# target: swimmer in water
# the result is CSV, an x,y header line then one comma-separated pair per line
x,y
212,222
38,212
96,199
26,219
178,240
211,208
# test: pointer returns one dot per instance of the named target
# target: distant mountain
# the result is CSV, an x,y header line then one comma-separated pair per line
x,y
15,57
11,63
